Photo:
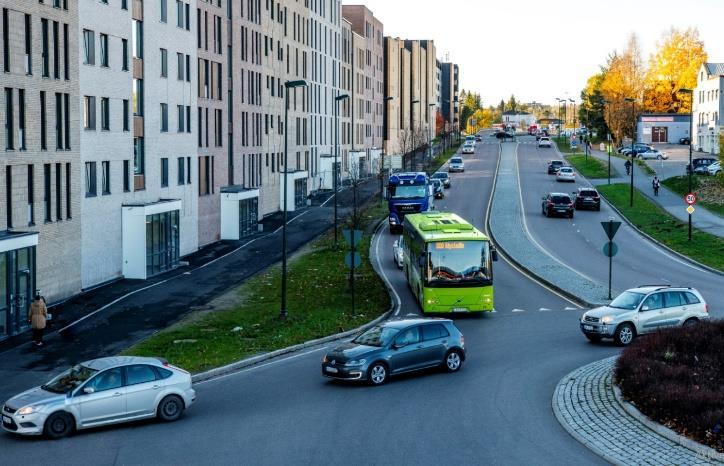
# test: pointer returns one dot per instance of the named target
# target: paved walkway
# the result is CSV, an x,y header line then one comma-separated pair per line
x,y
585,404
509,229
702,219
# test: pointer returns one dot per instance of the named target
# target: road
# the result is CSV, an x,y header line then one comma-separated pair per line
x,y
578,242
497,410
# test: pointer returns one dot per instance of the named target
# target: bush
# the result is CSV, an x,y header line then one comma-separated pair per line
x,y
676,377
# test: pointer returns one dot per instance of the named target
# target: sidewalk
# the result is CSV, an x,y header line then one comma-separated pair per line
x,y
702,219
126,311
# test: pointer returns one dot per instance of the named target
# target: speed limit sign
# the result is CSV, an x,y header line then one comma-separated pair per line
x,y
690,198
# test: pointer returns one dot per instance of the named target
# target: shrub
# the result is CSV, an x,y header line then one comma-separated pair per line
x,y
676,377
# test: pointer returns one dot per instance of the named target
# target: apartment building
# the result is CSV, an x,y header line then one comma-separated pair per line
x,y
449,95
397,122
708,107
40,168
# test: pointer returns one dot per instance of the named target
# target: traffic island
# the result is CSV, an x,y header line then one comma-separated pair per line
x,y
590,167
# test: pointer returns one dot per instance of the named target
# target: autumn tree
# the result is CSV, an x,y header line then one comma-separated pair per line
x,y
679,55
591,111
439,123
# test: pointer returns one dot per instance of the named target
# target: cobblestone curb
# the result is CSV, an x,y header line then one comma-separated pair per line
x,y
586,406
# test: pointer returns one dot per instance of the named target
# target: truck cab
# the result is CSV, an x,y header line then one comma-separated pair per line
x,y
408,193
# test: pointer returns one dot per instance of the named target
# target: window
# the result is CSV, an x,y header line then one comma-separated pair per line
x,y
68,210
137,38
138,156
46,48
164,118
408,337
188,170
180,111
691,298
106,380
104,49
88,47
6,41
105,114
66,52
653,302
188,68
58,120
28,45
90,179
66,109
218,122
106,177
124,48
9,124
43,123
164,11
31,195
180,66
164,63
188,119
164,172
124,4
89,112
188,17
181,174
21,118
674,299
46,193
140,373
137,96
126,116
56,51
126,176
58,191
9,195
179,13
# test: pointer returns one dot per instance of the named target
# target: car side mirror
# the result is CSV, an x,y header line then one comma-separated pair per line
x,y
398,345
494,255
421,261
645,308
89,390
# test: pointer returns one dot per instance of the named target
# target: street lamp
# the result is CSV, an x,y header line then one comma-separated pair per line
x,y
574,118
412,138
691,141
287,85
559,117
605,102
429,141
337,100
382,169
633,138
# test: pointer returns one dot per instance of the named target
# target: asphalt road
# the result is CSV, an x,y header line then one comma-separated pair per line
x,y
577,242
496,410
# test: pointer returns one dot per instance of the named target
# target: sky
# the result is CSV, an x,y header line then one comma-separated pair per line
x,y
540,50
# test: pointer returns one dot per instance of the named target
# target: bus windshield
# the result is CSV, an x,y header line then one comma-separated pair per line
x,y
457,262
408,191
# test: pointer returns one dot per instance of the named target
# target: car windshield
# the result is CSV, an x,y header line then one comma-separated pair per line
x,y
454,262
588,193
440,175
408,191
69,380
627,300
561,199
456,160
378,336
556,162
566,170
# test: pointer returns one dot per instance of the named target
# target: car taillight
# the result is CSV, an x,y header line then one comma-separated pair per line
x,y
706,307
550,204
462,340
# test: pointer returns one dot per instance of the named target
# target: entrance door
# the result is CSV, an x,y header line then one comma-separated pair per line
x,y
248,216
162,242
659,134
23,284
4,297
300,193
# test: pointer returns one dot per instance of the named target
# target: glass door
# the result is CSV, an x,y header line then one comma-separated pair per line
x,y
162,242
4,297
23,284
300,193
248,217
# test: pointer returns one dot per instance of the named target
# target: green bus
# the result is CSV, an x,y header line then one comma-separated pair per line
x,y
448,263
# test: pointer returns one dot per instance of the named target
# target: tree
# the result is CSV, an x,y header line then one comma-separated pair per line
x,y
591,111
470,103
512,103
678,57
439,124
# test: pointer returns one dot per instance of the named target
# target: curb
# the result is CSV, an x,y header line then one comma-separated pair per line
x,y
254,360
700,450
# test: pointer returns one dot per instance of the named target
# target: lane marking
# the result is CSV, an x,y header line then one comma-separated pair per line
x,y
544,309
518,310
571,309
396,297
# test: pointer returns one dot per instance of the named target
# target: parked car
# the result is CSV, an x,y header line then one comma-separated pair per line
x,y
644,309
714,169
100,392
701,164
566,174
456,165
442,176
554,166
587,198
557,204
395,347
478,138
652,154
398,253
545,142
685,141
468,148
437,189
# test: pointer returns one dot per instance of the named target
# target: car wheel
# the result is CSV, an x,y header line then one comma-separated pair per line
x,y
598,208
170,408
453,360
659,157
58,425
624,334
593,338
691,322
377,374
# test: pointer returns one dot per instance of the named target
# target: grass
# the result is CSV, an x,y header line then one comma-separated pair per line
x,y
590,167
659,224
675,377
440,159
564,145
247,321
709,190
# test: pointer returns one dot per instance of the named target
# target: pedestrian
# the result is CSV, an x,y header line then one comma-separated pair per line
x,y
37,316
628,166
655,183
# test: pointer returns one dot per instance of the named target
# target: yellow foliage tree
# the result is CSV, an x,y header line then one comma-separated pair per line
x,y
673,67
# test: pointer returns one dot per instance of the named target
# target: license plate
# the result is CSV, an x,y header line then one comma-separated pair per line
x,y
460,309
7,420
331,370
588,327
560,210
588,199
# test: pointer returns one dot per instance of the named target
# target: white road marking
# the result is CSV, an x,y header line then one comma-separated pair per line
x,y
518,310
572,308
544,309
398,301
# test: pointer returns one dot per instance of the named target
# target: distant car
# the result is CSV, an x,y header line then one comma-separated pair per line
x,y
438,189
398,253
644,309
468,149
545,142
701,165
566,174
554,166
478,138
442,176
685,141
557,204
100,392
587,198
394,347
652,154
456,165
714,169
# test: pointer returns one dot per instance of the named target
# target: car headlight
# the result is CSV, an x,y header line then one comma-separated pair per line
x,y
355,363
607,319
26,410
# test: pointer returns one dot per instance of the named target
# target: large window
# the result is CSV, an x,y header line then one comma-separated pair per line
x,y
164,118
181,171
164,10
180,112
138,156
164,63
90,179
89,112
46,47
180,66
137,39
104,49
21,118
89,51
105,114
106,177
164,172
179,13
137,96
9,124
458,262
47,193
162,242
124,54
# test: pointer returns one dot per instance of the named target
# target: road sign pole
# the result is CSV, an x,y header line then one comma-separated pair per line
x,y
689,227
610,267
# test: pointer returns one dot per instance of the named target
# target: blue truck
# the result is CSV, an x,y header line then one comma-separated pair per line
x,y
408,193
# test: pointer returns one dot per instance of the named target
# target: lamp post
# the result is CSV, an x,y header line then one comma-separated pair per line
x,y
382,162
559,118
287,85
691,141
429,139
337,100
633,139
574,120
608,149
412,138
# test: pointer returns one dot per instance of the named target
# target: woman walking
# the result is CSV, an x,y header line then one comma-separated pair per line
x,y
656,184
37,316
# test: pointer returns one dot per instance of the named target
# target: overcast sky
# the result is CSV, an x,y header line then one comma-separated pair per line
x,y
540,50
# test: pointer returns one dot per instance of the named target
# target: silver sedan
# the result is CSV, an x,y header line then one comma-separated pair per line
x,y
100,392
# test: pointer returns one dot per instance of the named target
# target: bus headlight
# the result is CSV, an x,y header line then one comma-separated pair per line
x,y
433,301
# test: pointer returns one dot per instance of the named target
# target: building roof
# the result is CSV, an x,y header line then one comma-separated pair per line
x,y
515,112
715,68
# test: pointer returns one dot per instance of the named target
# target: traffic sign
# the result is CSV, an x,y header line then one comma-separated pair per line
x,y
610,249
690,209
610,228
349,235
690,198
349,258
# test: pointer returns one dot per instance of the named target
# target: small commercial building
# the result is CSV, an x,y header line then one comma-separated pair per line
x,y
653,128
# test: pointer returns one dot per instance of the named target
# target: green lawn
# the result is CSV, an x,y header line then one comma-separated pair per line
x,y
247,321
441,158
709,190
564,145
590,167
659,224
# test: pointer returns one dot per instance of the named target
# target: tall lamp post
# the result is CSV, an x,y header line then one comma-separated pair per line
x,y
287,86
337,100
559,118
633,139
574,118
412,138
382,162
429,139
608,149
691,141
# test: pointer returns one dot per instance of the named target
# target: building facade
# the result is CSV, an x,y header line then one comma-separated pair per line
x,y
450,86
654,128
708,107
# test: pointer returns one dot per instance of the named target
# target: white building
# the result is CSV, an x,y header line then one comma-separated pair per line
x,y
517,119
708,107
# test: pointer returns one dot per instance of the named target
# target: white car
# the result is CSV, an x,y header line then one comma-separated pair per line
x,y
714,168
545,142
100,392
398,253
469,148
652,154
566,174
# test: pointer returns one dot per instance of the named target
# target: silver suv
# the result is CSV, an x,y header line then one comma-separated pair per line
x,y
644,310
